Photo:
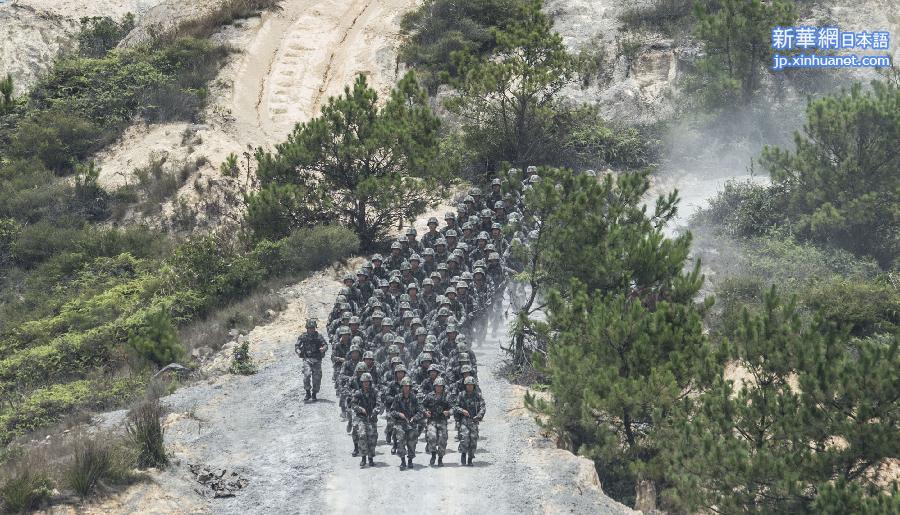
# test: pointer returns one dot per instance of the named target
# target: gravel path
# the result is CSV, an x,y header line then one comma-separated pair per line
x,y
296,456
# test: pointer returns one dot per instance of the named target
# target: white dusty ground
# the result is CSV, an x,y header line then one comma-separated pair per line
x,y
296,456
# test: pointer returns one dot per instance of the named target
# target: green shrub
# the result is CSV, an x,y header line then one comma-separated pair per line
x,y
310,249
241,362
866,308
29,192
58,138
26,489
36,243
156,339
145,430
745,209
100,34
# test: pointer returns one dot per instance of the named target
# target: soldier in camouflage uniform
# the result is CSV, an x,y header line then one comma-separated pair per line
x,y
470,406
311,347
365,408
437,409
406,413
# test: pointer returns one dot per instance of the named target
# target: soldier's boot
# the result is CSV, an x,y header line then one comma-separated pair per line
x,y
409,463
433,458
362,463
314,395
462,458
469,462
402,462
355,450
371,462
307,396
440,460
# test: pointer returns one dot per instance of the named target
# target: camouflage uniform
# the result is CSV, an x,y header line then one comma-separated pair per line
x,y
474,404
406,431
436,431
309,347
365,428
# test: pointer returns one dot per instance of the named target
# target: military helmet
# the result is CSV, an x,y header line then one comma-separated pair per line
x,y
393,349
377,257
439,381
428,282
429,347
449,215
354,347
486,214
399,339
431,339
377,314
416,320
412,286
395,279
421,330
396,245
464,358
450,290
461,339
466,276
415,257
354,320
496,225
356,341
408,314
467,226
342,330
361,367
365,377
451,328
406,381
429,251
432,220
311,323
534,179
404,266
434,368
450,234
426,356
440,241
493,256
443,312
465,369
495,182
468,199
475,192
411,231
478,270
469,380
395,360
442,266
369,355
387,321
483,235
400,368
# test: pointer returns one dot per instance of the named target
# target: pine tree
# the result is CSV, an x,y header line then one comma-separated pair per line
x,y
628,339
842,181
507,99
736,39
367,166
811,416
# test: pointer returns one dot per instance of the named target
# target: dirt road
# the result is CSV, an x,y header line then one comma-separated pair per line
x,y
296,456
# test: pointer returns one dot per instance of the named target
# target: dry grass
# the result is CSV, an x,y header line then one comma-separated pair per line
x,y
144,429
228,12
243,315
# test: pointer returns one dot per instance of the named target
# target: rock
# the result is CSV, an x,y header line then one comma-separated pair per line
x,y
233,332
173,368
202,353
243,338
270,314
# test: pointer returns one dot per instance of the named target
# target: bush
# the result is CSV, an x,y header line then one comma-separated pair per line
x,y
156,339
25,490
241,361
100,34
745,209
36,243
97,459
58,138
310,249
146,433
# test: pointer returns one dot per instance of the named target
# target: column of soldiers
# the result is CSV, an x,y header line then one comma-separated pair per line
x,y
400,329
